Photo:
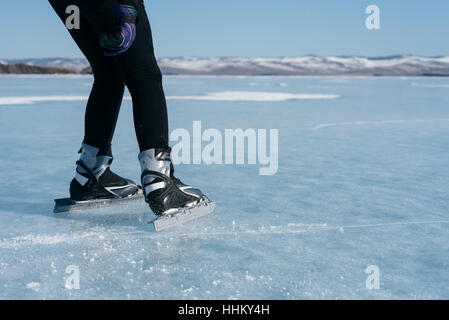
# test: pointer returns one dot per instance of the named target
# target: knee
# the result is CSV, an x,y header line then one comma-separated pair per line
x,y
143,67
111,78
148,74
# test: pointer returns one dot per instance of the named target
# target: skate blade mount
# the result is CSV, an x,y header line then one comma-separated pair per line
x,y
183,215
68,205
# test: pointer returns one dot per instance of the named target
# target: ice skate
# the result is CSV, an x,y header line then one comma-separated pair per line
x,y
95,184
171,200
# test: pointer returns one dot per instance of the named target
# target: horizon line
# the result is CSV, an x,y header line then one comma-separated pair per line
x,y
252,57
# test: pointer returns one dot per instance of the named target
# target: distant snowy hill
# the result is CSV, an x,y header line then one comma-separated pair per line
x,y
307,65
62,63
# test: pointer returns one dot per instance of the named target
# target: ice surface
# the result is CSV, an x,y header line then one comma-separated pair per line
x,y
362,180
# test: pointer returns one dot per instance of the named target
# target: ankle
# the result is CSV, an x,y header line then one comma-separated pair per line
x,y
88,155
158,159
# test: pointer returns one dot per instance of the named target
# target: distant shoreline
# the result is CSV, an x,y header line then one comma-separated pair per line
x,y
234,76
347,66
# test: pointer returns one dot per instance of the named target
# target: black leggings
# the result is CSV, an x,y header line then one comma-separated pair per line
x,y
136,68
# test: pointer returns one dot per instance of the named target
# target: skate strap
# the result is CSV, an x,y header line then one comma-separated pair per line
x,y
88,171
103,162
155,174
93,179
152,186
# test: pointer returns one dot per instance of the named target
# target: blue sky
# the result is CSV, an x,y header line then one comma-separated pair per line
x,y
263,28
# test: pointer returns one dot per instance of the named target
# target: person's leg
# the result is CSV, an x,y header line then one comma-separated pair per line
x,y
103,109
163,191
131,46
143,78
107,91
94,179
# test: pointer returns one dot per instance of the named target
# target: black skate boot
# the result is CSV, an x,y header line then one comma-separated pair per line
x,y
171,200
95,180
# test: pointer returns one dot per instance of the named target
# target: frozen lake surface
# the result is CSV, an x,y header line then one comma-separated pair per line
x,y
363,180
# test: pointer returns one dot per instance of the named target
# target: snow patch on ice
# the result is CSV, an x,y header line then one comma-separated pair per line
x,y
33,285
422,85
249,277
358,123
214,96
189,290
255,96
31,100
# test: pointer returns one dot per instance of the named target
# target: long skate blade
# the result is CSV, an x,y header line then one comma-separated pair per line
x,y
183,215
68,205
